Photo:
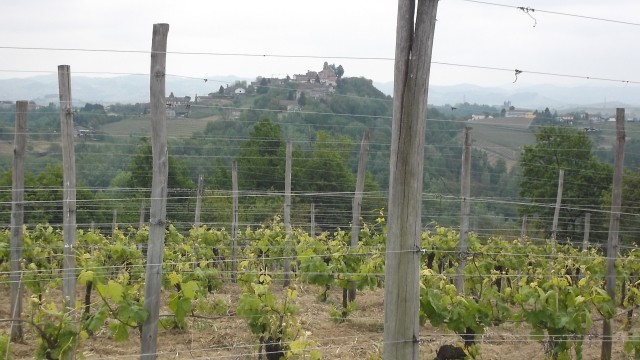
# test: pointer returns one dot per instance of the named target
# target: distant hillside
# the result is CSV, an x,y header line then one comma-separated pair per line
x,y
502,138
535,96
131,89
121,89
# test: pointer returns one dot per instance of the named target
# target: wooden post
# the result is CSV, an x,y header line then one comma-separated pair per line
x,y
200,191
114,223
556,214
414,42
587,229
158,212
17,218
356,205
614,226
312,228
234,221
523,229
465,208
288,251
69,188
141,225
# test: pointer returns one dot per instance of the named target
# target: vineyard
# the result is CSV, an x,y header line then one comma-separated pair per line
x,y
518,295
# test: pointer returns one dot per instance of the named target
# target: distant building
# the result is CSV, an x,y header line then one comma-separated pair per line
x,y
519,113
480,117
178,106
328,75
173,100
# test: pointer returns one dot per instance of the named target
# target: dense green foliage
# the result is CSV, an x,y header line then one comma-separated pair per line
x,y
585,180
553,290
252,129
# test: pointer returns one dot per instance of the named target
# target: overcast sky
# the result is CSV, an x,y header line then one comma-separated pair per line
x,y
466,33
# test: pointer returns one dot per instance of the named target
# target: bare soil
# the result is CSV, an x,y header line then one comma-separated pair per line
x,y
360,337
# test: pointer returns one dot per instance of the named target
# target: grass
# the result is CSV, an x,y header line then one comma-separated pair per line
x,y
137,126
501,140
606,137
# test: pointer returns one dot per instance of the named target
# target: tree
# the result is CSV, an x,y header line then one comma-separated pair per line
x,y
261,158
339,71
585,179
93,107
302,100
263,88
43,198
327,171
543,118
180,186
629,221
221,90
141,168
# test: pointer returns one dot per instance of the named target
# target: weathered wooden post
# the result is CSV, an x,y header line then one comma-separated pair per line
x,y
614,226
414,42
158,212
465,208
234,220
312,228
556,214
356,205
17,218
141,224
200,191
69,188
114,223
587,229
288,246
523,229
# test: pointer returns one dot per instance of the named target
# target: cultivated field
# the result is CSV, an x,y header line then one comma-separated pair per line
x,y
141,126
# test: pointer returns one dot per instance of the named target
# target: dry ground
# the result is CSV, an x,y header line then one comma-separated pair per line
x,y
359,338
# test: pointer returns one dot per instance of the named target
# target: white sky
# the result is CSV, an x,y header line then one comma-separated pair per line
x,y
466,33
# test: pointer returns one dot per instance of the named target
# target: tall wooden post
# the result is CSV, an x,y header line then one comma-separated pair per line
x,y
587,229
523,229
614,226
234,220
17,218
356,205
114,223
288,251
465,208
141,224
200,191
414,42
312,228
69,188
158,212
556,214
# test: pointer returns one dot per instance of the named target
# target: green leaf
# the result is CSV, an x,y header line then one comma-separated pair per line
x,y
183,308
174,278
120,331
85,277
189,289
112,290
96,321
